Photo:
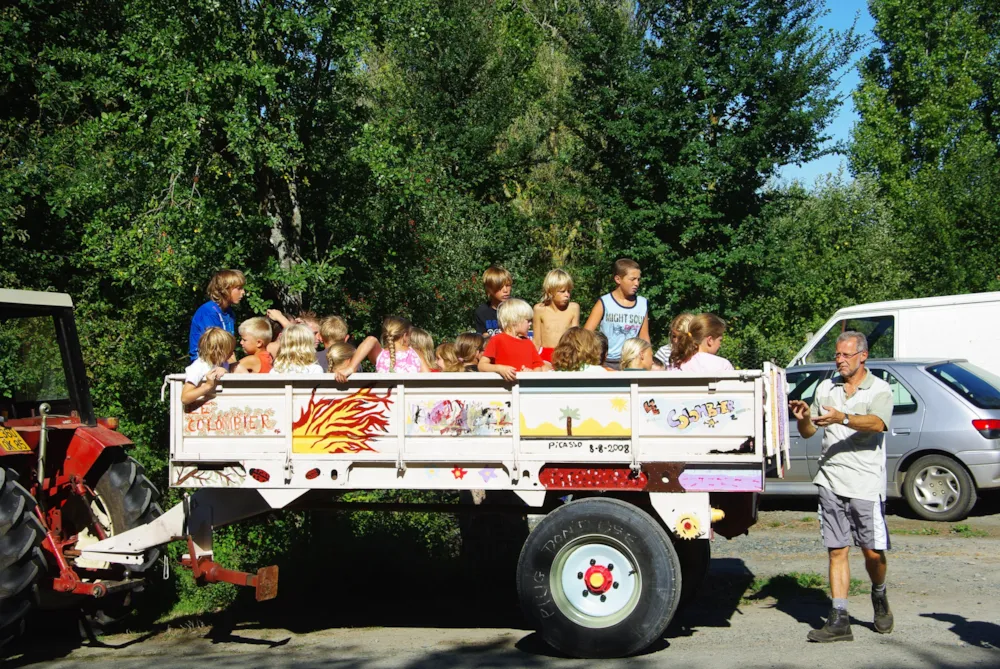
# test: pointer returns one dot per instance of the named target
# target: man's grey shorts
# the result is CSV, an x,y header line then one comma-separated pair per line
x,y
844,521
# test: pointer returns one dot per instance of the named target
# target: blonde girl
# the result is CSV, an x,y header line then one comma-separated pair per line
x,y
637,354
215,347
422,342
696,350
396,355
447,359
468,348
578,350
297,354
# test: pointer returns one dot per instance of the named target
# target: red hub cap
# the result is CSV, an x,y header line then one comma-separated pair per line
x,y
598,579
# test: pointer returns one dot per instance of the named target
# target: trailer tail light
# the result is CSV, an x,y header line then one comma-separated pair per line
x,y
989,428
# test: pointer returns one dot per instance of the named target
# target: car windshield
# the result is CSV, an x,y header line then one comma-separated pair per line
x,y
977,385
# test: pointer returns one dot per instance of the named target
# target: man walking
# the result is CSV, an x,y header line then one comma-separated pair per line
x,y
854,409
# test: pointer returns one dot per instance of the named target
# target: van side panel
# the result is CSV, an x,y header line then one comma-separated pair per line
x,y
956,331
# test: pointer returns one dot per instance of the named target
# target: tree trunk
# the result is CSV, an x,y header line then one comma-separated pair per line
x,y
569,426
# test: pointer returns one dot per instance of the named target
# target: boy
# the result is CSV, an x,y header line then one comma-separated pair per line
x,y
510,351
307,318
555,313
255,335
622,313
498,283
333,330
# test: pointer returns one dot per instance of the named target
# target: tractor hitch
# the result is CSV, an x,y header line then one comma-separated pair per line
x,y
205,570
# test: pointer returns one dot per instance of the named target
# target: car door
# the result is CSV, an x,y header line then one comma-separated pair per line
x,y
802,386
907,419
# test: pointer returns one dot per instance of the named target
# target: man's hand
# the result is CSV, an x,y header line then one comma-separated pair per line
x,y
831,417
799,409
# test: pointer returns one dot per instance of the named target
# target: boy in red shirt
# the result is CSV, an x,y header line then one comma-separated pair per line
x,y
511,351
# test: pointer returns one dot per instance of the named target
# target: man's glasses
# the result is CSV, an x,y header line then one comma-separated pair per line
x,y
845,356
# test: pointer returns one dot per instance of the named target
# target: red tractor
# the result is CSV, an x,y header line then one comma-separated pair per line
x,y
66,480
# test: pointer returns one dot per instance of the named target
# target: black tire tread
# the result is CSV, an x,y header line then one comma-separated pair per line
x,y
21,559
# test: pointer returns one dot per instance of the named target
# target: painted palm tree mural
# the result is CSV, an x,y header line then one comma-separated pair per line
x,y
570,415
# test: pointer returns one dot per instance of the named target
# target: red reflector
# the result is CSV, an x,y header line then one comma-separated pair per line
x,y
988,427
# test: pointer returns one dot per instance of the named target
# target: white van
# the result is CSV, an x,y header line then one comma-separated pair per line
x,y
952,326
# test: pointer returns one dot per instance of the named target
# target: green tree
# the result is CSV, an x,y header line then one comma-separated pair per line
x,y
929,102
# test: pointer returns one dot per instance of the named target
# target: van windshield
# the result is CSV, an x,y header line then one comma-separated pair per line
x,y
880,331
978,386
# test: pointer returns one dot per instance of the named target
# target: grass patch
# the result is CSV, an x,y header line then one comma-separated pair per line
x,y
775,523
963,530
796,584
808,519
918,531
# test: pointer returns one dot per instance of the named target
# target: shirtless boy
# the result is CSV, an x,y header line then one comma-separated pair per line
x,y
555,313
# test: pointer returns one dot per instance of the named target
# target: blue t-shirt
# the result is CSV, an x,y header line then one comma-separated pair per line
x,y
620,322
209,315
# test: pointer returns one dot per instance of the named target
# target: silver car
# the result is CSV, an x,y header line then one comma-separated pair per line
x,y
943,443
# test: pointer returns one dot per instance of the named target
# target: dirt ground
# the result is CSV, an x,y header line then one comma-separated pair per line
x,y
758,603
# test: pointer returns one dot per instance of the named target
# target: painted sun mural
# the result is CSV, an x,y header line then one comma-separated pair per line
x,y
341,424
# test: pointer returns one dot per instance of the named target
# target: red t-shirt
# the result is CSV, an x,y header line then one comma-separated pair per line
x,y
505,349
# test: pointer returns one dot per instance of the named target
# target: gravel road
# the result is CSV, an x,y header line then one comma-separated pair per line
x,y
944,589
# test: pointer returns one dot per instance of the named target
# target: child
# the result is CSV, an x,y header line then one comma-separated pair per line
x,y
678,335
333,330
297,354
396,355
447,359
224,290
622,313
307,318
579,350
511,351
255,335
637,355
468,347
422,342
338,357
696,348
214,347
498,283
603,340
555,313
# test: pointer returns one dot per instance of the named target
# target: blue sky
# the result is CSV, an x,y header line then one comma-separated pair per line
x,y
840,17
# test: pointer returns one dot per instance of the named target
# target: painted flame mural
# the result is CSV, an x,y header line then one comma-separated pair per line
x,y
341,424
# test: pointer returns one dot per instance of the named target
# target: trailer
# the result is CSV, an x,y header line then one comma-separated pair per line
x,y
634,473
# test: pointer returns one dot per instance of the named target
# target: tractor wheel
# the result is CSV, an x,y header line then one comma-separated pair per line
x,y
21,558
123,499
599,578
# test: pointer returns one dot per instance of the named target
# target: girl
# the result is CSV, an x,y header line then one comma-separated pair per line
x,y
214,347
447,359
695,349
422,342
578,350
637,354
468,347
297,354
396,355
224,290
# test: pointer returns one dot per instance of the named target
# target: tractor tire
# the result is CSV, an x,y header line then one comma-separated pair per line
x,y
124,499
599,578
21,559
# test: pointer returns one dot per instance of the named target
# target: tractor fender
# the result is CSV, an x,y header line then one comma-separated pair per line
x,y
87,445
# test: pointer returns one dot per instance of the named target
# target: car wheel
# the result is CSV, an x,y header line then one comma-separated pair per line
x,y
937,487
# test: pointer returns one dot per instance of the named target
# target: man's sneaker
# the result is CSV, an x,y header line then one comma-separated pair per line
x,y
837,628
883,616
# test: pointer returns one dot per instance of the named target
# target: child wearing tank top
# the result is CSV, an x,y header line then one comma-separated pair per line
x,y
621,314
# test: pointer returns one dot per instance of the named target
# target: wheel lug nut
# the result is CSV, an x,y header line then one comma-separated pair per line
x,y
593,562
579,574
611,567
586,592
603,598
615,585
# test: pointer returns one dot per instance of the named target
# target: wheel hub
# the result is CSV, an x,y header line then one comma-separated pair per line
x,y
598,579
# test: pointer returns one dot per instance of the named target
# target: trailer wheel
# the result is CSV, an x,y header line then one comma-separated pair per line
x,y
599,578
123,499
21,558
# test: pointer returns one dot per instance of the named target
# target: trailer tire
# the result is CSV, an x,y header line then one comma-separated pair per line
x,y
21,559
580,541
